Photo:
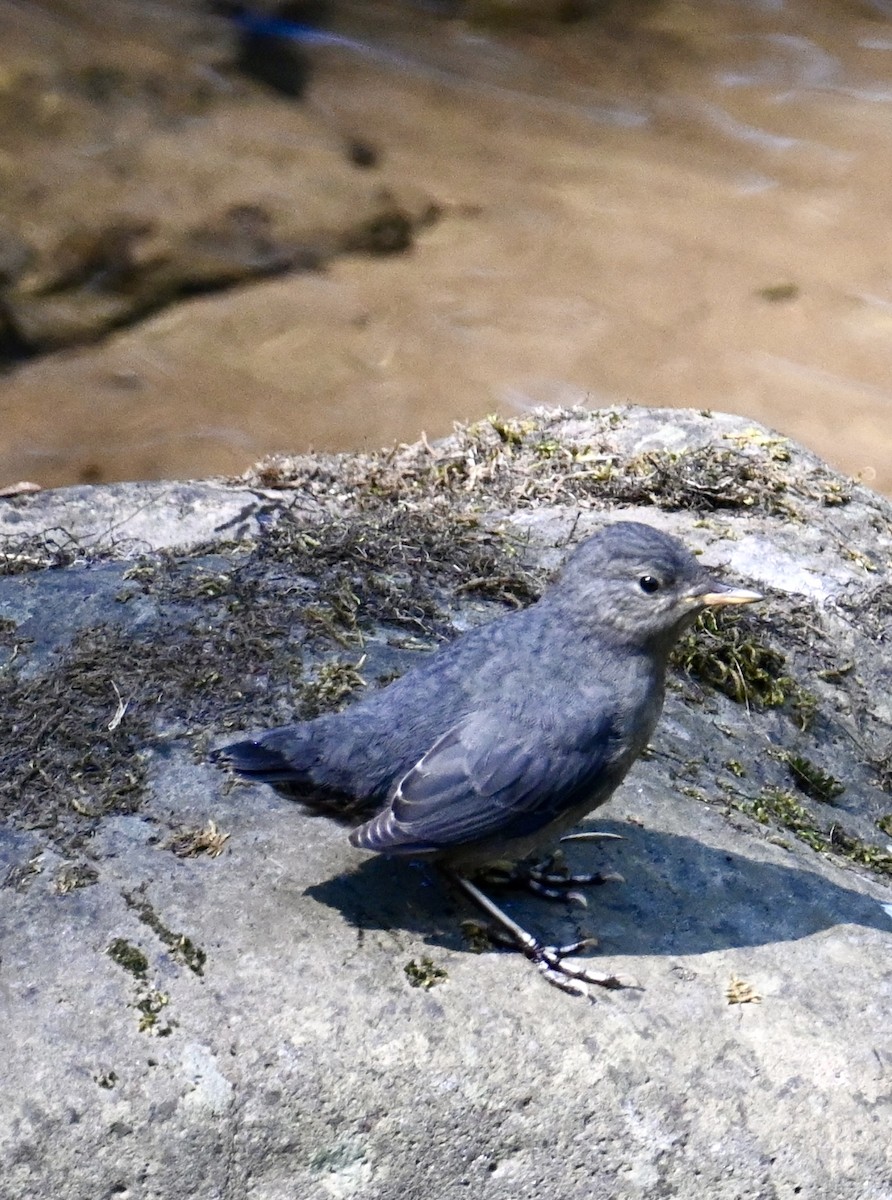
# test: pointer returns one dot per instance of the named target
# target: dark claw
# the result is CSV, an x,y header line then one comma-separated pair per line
x,y
540,889
550,962
587,943
592,836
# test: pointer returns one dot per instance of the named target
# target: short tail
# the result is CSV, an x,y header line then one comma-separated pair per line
x,y
292,770
255,760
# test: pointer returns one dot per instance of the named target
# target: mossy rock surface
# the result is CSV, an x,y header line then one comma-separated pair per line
x,y
206,990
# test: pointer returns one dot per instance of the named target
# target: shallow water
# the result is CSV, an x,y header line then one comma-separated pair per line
x,y
691,208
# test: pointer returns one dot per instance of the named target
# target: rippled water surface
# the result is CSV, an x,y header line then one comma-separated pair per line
x,y
688,206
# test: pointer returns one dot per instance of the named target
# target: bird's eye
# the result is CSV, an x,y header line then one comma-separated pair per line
x,y
649,584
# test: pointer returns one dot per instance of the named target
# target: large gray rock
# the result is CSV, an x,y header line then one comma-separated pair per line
x,y
180,1023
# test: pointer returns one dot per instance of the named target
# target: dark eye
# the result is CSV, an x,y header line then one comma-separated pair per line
x,y
649,584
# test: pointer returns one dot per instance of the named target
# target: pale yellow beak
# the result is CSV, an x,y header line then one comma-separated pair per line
x,y
727,596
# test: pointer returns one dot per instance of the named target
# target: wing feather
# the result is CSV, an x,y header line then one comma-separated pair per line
x,y
481,779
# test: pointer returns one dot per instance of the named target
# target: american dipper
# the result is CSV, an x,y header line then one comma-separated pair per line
x,y
505,738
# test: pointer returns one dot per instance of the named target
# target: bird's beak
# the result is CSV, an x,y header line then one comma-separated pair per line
x,y
720,594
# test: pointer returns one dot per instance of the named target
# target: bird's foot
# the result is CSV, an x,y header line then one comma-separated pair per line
x,y
550,964
550,877
549,960
561,885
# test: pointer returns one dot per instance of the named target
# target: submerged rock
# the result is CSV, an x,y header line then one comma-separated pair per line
x,y
205,991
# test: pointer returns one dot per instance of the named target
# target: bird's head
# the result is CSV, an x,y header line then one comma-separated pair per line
x,y
640,584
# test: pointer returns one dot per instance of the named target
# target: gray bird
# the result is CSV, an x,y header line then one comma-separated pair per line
x,y
507,737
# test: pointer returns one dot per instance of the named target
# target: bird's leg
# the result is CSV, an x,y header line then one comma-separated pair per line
x,y
549,960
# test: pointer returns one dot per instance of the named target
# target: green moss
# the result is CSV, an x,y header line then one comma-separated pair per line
x,y
781,806
860,852
884,824
774,804
804,707
735,767
865,561
424,974
512,432
773,447
835,492
187,952
520,458
549,448
336,618
21,875
185,670
726,652
706,479
477,936
395,563
534,461
128,957
331,686
149,1001
72,876
812,781
150,1005
181,947
530,461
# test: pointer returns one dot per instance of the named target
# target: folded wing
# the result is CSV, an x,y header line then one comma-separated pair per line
x,y
483,779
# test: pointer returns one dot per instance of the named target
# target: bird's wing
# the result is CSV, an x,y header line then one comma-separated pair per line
x,y
482,779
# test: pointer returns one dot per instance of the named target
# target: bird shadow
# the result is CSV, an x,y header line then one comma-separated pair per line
x,y
680,896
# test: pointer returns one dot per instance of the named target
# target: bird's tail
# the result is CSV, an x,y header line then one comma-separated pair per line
x,y
287,760
255,759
